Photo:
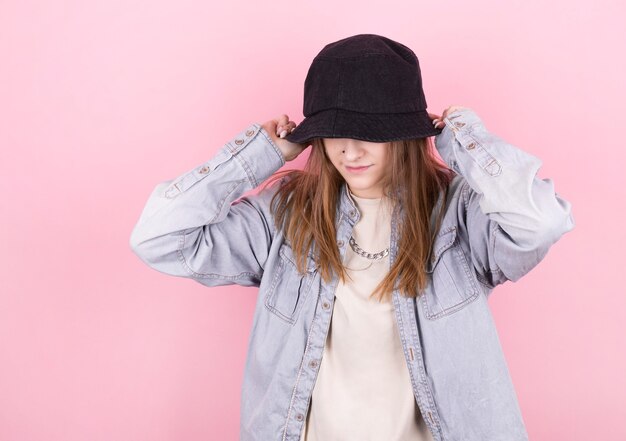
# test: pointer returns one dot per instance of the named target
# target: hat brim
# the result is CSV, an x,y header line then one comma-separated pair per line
x,y
373,127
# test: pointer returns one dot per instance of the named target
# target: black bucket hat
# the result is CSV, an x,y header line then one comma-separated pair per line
x,y
365,87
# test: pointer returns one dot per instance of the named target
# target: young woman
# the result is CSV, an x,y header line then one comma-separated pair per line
x,y
374,263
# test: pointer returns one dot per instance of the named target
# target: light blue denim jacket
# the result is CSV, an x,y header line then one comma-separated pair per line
x,y
500,220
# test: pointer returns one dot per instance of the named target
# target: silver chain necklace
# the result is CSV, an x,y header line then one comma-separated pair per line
x,y
361,252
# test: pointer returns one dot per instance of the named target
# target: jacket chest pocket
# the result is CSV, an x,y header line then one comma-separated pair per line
x,y
289,289
451,285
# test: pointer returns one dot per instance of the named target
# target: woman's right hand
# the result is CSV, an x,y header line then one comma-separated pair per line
x,y
280,124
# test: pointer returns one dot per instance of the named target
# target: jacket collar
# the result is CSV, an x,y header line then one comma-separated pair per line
x,y
347,205
348,208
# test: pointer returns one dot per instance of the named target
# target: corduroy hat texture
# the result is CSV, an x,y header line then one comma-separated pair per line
x,y
365,87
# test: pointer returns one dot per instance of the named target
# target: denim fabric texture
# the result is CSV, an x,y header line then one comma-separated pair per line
x,y
500,221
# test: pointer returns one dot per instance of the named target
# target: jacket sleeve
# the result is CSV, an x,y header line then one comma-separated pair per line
x,y
509,215
195,226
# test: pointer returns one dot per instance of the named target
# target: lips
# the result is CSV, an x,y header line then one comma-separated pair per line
x,y
363,167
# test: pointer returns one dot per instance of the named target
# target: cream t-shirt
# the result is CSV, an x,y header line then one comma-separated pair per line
x,y
363,390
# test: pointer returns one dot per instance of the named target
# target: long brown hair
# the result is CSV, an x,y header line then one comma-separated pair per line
x,y
313,193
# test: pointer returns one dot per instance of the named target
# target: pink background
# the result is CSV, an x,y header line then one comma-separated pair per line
x,y
102,100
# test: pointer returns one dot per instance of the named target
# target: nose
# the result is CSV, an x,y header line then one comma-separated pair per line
x,y
352,152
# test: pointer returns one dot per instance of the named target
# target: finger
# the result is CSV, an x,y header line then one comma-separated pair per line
x,y
282,121
433,116
288,127
285,129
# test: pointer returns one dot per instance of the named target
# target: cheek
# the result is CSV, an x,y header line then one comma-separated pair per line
x,y
383,159
334,159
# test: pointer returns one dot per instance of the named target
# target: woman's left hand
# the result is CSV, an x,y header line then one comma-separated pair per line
x,y
438,120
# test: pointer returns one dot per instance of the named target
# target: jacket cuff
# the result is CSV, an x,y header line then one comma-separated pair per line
x,y
257,153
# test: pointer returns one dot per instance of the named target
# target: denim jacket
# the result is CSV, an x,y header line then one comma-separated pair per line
x,y
500,220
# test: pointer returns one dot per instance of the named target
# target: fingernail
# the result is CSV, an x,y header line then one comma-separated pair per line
x,y
283,133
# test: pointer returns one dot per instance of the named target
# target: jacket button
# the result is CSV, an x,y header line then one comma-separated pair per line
x,y
352,213
459,124
471,146
203,170
325,305
299,417
340,243
238,141
250,133
313,364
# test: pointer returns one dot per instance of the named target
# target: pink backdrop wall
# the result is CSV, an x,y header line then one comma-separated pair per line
x,y
101,100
